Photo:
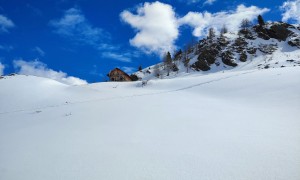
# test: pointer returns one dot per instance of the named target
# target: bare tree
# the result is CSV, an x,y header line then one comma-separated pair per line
x,y
186,62
246,24
224,30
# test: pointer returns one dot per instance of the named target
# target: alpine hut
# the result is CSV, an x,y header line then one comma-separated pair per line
x,y
118,75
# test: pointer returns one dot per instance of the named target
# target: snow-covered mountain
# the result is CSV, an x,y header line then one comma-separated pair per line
x,y
225,125
274,44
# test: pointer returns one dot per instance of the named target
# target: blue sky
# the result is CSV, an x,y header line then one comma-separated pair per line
x,y
64,39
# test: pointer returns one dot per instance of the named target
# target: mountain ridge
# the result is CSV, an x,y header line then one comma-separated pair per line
x,y
271,45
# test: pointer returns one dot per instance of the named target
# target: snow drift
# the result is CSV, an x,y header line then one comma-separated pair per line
x,y
231,125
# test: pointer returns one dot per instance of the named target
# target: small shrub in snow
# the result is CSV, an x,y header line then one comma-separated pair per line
x,y
251,50
134,77
243,56
267,48
156,71
144,83
175,68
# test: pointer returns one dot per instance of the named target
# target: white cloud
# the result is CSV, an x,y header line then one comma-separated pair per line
x,y
116,56
191,2
39,51
201,22
156,26
5,24
40,69
291,10
74,25
209,2
2,67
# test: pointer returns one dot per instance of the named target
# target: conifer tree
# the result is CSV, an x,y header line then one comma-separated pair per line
x,y
168,62
211,33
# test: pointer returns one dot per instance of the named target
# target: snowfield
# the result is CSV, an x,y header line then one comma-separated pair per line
x,y
223,126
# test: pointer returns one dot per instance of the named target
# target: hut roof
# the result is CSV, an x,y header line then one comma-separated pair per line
x,y
120,71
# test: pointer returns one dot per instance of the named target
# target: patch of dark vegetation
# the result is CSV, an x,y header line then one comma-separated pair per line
x,y
227,58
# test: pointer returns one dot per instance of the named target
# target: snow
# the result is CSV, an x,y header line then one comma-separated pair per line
x,y
281,57
239,124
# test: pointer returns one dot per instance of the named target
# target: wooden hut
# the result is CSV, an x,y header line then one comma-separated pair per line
x,y
118,75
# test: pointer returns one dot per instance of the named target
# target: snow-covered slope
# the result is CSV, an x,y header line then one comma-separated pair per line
x,y
273,45
231,125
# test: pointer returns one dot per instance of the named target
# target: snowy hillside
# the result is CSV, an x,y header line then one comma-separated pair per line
x,y
241,124
272,45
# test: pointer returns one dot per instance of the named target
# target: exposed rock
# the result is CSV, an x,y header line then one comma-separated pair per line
x,y
200,65
267,48
245,46
240,44
280,31
243,56
227,58
247,34
209,55
251,50
277,31
262,32
294,41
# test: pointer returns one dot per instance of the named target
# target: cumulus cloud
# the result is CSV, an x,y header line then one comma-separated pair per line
x,y
2,67
156,27
40,69
201,22
74,26
291,11
5,24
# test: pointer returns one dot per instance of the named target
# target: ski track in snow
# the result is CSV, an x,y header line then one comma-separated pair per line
x,y
124,97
